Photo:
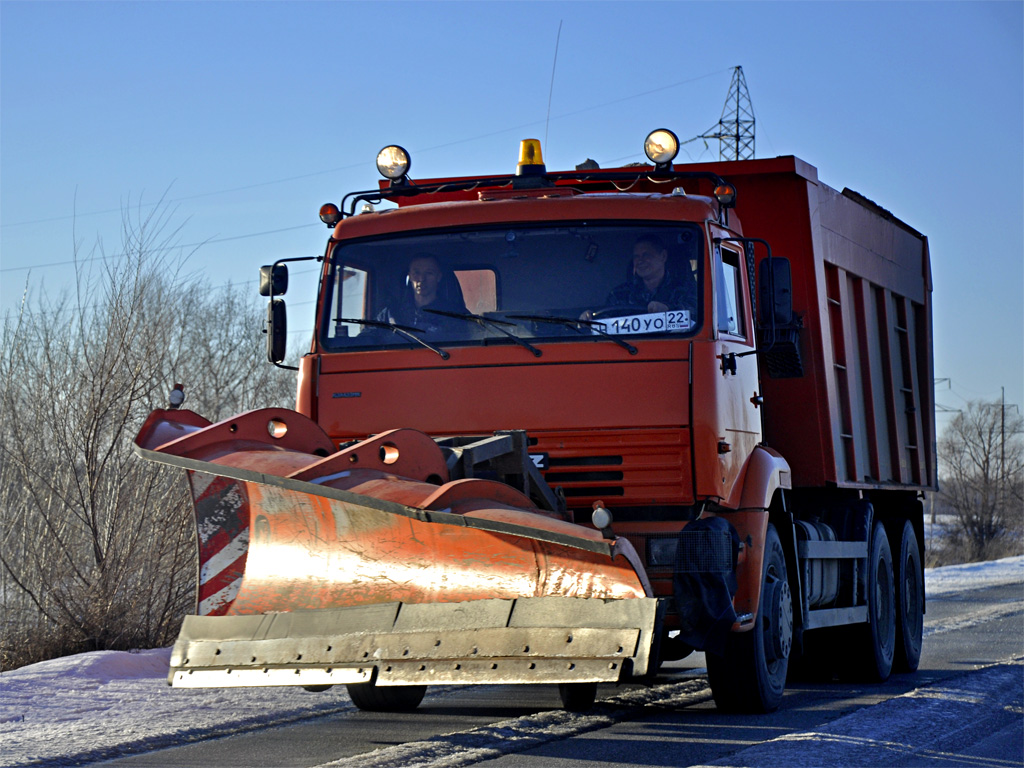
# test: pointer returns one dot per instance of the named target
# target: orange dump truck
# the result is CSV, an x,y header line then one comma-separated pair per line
x,y
559,427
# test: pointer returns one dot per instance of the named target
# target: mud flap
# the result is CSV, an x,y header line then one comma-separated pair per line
x,y
705,582
526,640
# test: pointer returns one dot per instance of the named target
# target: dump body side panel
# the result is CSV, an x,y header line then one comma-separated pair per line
x,y
862,413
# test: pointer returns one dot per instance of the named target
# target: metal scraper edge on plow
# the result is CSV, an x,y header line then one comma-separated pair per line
x,y
527,640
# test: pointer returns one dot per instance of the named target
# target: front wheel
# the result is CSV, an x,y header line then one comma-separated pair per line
x,y
386,698
751,674
577,697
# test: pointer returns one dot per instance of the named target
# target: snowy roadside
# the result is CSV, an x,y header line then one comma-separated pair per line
x,y
101,705
956,578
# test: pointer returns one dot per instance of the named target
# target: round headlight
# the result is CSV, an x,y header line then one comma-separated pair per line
x,y
393,162
661,146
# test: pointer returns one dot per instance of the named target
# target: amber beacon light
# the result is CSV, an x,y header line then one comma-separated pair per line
x,y
531,161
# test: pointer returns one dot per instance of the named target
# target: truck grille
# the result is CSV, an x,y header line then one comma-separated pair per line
x,y
649,467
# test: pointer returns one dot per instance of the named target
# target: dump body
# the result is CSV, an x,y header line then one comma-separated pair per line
x,y
862,413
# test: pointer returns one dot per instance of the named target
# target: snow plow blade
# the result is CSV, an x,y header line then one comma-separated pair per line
x,y
368,564
546,639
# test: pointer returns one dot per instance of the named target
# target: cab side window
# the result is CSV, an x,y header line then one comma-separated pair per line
x,y
349,294
730,294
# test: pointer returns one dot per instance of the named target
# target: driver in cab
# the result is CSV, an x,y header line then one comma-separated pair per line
x,y
428,286
653,287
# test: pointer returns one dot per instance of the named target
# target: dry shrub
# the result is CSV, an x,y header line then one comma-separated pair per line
x,y
97,546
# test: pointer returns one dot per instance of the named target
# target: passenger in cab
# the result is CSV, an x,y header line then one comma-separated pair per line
x,y
653,286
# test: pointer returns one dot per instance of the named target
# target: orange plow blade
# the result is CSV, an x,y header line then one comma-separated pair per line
x,y
369,564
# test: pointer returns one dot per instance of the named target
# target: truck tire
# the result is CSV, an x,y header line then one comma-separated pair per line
x,y
577,697
870,647
751,674
909,587
386,698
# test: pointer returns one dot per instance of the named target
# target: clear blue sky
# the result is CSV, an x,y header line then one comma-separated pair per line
x,y
251,115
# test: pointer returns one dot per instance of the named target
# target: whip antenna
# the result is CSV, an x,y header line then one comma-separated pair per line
x,y
551,90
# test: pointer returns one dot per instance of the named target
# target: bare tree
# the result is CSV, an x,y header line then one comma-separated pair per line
x,y
97,547
982,458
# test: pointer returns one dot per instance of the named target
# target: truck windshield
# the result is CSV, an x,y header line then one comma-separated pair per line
x,y
515,285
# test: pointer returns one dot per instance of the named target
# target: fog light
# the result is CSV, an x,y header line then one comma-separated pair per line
x,y
601,517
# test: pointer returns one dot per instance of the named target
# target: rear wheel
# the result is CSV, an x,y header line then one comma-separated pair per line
x,y
870,647
751,675
386,698
909,591
577,697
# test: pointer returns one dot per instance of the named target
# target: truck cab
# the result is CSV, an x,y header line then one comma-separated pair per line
x,y
641,398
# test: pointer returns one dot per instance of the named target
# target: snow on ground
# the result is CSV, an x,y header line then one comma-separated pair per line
x,y
99,705
957,578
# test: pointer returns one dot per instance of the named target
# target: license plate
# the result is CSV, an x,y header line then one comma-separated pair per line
x,y
651,322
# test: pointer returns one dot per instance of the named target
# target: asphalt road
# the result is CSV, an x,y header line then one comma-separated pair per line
x,y
964,706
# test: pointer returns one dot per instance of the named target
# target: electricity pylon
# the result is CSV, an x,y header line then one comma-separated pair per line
x,y
735,130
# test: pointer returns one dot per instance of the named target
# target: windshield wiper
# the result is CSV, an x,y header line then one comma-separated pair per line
x,y
402,330
486,321
578,326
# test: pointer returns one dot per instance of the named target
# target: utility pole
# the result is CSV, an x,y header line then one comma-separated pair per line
x,y
1002,436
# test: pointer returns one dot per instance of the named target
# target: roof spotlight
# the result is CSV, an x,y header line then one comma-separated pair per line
x,y
393,162
661,147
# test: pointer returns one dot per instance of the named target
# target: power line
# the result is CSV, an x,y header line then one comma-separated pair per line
x,y
319,173
162,249
350,166
203,289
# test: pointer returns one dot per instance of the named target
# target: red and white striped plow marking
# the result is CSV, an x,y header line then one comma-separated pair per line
x,y
222,520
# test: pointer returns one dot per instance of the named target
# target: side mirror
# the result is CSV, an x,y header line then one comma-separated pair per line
x,y
276,330
274,280
775,292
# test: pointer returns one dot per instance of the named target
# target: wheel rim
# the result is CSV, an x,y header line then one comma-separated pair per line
x,y
778,623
